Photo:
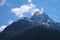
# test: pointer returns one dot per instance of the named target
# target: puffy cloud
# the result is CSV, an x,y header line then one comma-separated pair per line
x,y
31,8
35,10
10,21
26,8
2,28
2,2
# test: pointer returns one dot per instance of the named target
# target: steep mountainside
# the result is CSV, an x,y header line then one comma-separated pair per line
x,y
36,32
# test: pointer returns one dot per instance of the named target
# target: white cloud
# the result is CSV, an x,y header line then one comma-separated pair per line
x,y
29,1
2,28
20,12
10,22
34,10
26,8
2,2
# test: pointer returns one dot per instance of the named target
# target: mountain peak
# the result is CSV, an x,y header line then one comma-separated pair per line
x,y
41,17
39,11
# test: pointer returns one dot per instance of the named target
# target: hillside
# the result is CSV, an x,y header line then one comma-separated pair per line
x,y
36,32
38,27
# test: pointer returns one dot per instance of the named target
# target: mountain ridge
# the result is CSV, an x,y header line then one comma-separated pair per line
x,y
38,22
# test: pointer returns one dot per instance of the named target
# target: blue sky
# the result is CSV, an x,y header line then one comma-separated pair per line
x,y
51,8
